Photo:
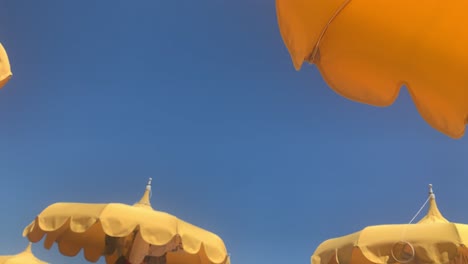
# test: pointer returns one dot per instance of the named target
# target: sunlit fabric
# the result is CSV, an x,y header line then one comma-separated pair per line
x,y
25,257
431,240
111,230
366,50
5,69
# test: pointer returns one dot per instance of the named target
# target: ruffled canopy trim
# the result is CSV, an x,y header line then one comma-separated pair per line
x,y
434,240
75,226
367,56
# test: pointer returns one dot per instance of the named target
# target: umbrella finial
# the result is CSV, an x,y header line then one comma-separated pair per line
x,y
145,199
148,186
433,213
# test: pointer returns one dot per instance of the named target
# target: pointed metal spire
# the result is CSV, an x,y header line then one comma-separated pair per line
x,y
145,199
433,214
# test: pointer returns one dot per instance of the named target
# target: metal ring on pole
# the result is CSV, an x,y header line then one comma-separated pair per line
x,y
403,252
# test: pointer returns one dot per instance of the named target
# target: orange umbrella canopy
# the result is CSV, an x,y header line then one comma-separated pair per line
x,y
366,50
5,70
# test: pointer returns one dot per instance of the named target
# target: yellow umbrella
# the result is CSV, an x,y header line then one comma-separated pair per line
x,y
432,240
5,70
137,232
25,257
367,49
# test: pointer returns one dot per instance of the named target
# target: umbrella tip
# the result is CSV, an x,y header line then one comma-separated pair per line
x,y
145,199
433,215
431,192
148,186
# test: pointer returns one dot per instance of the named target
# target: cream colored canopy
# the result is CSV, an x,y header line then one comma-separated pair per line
x,y
432,240
137,231
25,257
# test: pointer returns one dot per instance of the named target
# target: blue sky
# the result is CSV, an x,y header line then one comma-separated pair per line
x,y
202,96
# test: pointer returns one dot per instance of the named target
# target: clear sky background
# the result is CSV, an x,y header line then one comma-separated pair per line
x,y
202,96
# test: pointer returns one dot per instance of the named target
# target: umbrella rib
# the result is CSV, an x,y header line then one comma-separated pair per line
x,y
314,52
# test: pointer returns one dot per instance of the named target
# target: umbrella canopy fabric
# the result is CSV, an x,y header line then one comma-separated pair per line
x,y
432,240
366,50
5,69
25,257
118,229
